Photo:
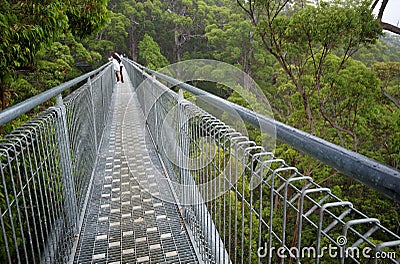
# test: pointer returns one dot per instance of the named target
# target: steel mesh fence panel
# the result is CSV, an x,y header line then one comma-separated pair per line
x,y
34,202
46,166
245,205
82,138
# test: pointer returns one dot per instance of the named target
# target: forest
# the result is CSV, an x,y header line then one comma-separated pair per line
x,y
328,69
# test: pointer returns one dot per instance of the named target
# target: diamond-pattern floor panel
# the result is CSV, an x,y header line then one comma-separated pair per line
x,y
127,220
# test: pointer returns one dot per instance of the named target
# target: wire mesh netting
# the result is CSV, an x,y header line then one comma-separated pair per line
x,y
46,165
130,217
243,204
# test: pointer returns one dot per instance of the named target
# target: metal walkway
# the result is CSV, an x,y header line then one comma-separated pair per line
x,y
124,221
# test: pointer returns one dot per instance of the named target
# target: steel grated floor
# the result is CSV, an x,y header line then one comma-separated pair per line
x,y
127,219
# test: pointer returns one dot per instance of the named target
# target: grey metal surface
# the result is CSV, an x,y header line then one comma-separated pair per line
x,y
127,220
270,212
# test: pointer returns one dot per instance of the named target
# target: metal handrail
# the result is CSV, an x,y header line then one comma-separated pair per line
x,y
15,111
378,176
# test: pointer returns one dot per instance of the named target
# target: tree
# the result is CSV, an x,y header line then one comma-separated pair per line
x,y
86,17
389,73
28,26
233,38
137,15
304,38
347,99
150,54
112,37
187,18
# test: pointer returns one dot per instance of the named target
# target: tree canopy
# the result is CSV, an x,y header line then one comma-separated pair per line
x,y
28,26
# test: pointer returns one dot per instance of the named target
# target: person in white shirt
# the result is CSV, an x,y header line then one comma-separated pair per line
x,y
118,58
116,65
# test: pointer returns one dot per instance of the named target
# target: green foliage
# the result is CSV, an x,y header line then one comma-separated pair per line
x,y
86,17
232,40
80,55
140,15
27,27
150,54
112,37
52,66
332,25
384,50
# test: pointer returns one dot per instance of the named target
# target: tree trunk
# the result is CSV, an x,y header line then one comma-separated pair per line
x,y
2,95
133,40
177,45
390,27
309,113
391,98
384,25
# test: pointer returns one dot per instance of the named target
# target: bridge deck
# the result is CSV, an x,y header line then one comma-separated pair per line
x,y
127,220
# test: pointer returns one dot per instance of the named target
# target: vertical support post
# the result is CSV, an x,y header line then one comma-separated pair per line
x,y
184,151
66,165
103,100
89,83
155,111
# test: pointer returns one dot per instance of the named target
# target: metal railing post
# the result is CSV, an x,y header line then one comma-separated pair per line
x,y
182,147
153,79
89,83
65,162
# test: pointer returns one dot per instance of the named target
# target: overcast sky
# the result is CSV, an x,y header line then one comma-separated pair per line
x,y
392,12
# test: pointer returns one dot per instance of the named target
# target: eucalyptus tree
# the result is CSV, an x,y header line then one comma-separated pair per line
x,y
150,54
112,37
301,40
27,26
137,14
232,36
389,73
188,20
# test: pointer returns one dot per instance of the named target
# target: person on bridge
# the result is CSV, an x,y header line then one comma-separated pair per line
x,y
118,58
117,67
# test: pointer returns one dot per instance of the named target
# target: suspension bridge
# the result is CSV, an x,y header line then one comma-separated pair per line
x,y
135,173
